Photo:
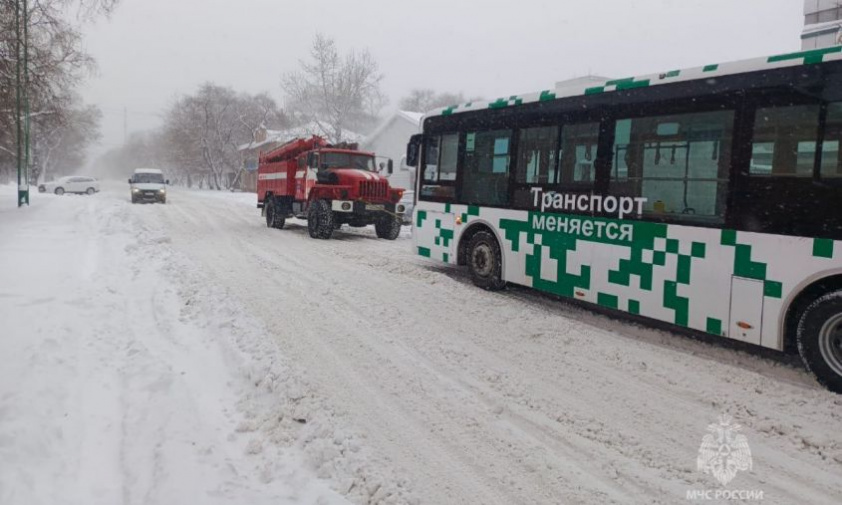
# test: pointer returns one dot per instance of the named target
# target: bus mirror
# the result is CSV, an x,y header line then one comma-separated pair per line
x,y
668,129
413,149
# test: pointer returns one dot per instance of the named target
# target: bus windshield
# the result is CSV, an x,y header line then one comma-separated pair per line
x,y
347,160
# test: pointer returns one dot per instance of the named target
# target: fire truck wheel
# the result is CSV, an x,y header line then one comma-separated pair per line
x,y
273,220
485,261
320,220
389,228
268,213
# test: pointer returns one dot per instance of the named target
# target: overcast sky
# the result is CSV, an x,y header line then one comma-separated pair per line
x,y
151,51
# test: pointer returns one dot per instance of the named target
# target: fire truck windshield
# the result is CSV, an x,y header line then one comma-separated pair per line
x,y
346,160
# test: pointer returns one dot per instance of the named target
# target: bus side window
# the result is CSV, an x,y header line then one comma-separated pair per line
x,y
784,142
439,174
578,152
678,163
485,177
431,160
536,160
831,167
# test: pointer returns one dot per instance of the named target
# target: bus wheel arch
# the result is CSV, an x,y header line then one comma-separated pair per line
x,y
796,307
820,340
465,240
482,236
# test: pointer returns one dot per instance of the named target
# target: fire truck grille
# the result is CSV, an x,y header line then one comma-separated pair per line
x,y
374,189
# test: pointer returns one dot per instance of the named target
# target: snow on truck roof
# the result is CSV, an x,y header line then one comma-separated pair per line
x,y
148,171
582,88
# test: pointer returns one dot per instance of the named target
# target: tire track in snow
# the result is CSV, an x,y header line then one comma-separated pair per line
x,y
638,401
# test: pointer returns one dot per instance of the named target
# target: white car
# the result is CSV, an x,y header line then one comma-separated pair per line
x,y
71,184
148,185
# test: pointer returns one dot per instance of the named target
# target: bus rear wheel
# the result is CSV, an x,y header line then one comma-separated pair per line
x,y
820,340
485,261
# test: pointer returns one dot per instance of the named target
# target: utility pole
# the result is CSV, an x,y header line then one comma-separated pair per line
x,y
125,124
22,98
27,123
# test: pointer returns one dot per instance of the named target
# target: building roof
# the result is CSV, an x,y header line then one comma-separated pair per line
x,y
313,128
827,26
585,79
413,118
672,76
301,131
272,136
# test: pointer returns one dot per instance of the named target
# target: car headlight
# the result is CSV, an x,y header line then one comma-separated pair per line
x,y
135,190
162,190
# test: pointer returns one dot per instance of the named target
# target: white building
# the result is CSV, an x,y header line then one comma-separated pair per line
x,y
390,139
822,24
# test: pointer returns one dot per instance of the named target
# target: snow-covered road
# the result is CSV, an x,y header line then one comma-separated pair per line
x,y
160,353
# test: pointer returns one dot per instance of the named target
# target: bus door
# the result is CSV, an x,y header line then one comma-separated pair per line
x,y
435,218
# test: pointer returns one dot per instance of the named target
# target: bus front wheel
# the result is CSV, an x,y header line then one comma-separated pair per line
x,y
485,261
820,339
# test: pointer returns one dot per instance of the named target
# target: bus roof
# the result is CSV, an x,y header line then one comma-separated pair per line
x,y
696,73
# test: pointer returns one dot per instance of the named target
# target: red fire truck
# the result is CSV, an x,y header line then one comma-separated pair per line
x,y
328,185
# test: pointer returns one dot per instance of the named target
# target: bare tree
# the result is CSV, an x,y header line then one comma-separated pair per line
x,y
60,141
203,132
57,63
334,92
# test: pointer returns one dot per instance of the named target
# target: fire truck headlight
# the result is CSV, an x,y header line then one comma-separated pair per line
x,y
346,206
401,209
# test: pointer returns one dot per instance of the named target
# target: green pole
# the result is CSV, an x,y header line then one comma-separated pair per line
x,y
23,196
18,108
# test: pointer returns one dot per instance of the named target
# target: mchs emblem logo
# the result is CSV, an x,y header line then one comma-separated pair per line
x,y
724,451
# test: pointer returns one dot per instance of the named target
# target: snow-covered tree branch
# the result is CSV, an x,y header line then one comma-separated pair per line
x,y
336,93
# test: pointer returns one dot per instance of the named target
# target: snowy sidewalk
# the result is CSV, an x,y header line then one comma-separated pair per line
x,y
114,388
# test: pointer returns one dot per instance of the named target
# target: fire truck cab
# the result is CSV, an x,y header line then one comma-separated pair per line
x,y
328,185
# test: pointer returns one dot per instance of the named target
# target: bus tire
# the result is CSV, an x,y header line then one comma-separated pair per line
x,y
485,261
388,227
320,220
820,340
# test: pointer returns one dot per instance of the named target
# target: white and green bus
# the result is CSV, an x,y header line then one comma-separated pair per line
x,y
708,198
